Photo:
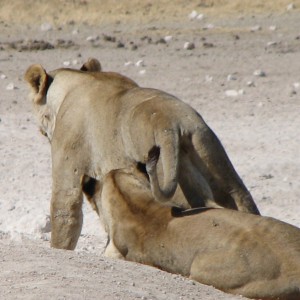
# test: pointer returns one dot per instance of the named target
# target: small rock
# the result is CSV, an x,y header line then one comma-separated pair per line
x,y
259,73
66,63
168,38
193,15
272,27
134,47
3,76
255,28
200,17
10,86
109,38
75,31
296,85
142,72
234,93
291,6
208,45
271,44
250,83
92,38
46,27
140,63
188,46
120,45
231,77
128,63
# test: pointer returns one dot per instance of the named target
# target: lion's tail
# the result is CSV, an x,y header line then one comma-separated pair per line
x,y
164,187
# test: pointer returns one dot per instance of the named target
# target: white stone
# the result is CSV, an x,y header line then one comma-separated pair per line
x,y
291,6
259,73
128,63
200,17
296,85
250,83
3,76
270,44
140,63
142,72
10,86
231,93
256,28
234,93
193,15
46,27
66,63
272,27
231,77
188,46
168,38
92,38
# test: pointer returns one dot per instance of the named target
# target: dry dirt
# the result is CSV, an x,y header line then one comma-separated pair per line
x,y
256,118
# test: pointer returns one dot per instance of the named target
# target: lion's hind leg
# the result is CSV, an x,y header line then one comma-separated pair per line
x,y
212,161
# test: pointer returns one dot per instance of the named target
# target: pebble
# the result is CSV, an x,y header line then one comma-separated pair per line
x,y
142,72
231,77
193,15
234,93
10,86
290,6
66,63
250,83
128,63
3,76
140,63
92,38
255,28
168,38
272,27
270,44
46,27
259,73
188,46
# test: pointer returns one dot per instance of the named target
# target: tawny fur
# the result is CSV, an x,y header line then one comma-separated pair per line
x,y
239,253
99,121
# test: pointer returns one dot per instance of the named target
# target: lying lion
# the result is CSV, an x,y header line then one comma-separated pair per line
x,y
99,121
239,253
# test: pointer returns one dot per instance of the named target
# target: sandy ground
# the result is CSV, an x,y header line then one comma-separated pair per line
x,y
256,116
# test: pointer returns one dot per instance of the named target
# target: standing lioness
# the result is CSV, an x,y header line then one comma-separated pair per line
x,y
100,121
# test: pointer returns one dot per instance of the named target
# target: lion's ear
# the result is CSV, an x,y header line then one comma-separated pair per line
x,y
37,77
92,65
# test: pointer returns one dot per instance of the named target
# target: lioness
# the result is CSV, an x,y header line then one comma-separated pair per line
x,y
99,121
239,253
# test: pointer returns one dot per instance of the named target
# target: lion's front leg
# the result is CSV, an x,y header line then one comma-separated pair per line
x,y
66,218
66,202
